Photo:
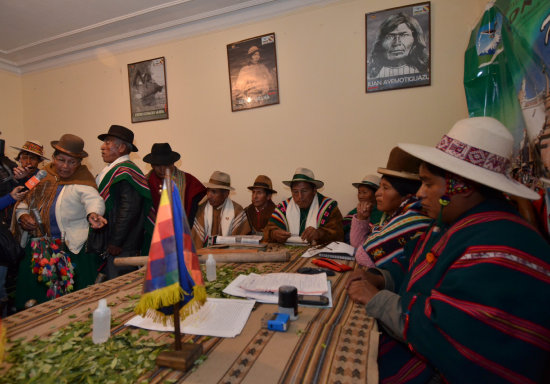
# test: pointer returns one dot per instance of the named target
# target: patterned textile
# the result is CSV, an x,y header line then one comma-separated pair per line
x,y
374,219
475,299
386,241
238,226
167,280
129,172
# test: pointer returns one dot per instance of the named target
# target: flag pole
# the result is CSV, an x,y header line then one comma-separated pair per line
x,y
177,330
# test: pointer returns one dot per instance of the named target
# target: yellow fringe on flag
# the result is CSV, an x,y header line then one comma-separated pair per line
x,y
168,296
3,340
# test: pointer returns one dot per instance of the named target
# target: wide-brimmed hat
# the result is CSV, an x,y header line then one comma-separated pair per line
x,y
478,149
161,154
219,180
304,174
262,181
122,133
71,145
371,181
401,164
31,146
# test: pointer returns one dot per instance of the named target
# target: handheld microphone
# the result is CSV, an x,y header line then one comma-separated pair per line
x,y
33,181
38,219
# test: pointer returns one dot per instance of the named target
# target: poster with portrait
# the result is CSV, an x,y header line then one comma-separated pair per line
x,y
148,96
253,76
398,48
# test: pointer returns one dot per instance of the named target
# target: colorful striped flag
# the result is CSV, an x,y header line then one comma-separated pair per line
x,y
173,273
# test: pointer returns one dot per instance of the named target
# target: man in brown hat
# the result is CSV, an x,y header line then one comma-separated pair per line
x,y
307,214
218,215
262,207
191,189
127,202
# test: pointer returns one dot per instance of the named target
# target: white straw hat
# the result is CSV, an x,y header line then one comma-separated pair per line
x,y
478,149
371,181
304,174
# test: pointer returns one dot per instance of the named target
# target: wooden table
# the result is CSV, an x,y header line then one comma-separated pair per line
x,y
336,345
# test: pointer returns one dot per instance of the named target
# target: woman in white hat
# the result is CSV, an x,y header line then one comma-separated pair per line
x,y
470,302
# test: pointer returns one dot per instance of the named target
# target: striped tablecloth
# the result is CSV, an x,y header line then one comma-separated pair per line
x,y
336,345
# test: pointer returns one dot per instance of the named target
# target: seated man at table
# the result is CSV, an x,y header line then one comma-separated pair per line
x,y
307,214
468,301
262,207
218,215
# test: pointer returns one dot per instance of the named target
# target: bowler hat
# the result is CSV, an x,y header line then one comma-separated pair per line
x,y
401,164
121,133
71,145
219,180
161,154
31,146
304,174
262,181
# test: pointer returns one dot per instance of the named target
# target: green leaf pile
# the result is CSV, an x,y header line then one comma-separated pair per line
x,y
69,356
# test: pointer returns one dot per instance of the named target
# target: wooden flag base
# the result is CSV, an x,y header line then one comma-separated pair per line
x,y
182,360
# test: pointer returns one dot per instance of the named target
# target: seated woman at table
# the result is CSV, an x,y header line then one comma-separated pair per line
x,y
68,202
403,220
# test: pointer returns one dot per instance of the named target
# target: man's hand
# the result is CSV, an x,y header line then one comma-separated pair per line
x,y
17,194
360,274
96,221
361,291
20,172
27,222
113,250
364,210
311,235
280,235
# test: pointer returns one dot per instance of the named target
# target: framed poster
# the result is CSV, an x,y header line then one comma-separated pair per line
x,y
148,96
253,76
398,47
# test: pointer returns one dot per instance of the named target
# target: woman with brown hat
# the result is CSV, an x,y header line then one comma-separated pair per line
x,y
62,206
402,220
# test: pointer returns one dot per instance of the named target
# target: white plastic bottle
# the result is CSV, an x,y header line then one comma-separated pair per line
x,y
210,268
102,323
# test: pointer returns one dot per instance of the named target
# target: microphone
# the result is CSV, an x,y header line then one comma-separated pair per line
x,y
38,219
33,181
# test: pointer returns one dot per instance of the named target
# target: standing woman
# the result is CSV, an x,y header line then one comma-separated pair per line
x,y
68,202
403,218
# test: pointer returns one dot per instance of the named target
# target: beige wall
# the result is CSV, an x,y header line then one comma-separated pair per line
x,y
11,111
325,120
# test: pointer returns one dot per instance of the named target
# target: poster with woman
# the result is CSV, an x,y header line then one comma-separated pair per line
x,y
253,73
398,47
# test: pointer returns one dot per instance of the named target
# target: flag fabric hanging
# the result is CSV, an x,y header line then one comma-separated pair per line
x,y
167,279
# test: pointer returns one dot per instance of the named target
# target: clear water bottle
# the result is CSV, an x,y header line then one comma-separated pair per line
x,y
102,323
210,268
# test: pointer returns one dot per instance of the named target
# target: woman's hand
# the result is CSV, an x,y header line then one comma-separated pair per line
x,y
96,221
17,193
27,222
364,210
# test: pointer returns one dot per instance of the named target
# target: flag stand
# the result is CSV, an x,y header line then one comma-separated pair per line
x,y
183,357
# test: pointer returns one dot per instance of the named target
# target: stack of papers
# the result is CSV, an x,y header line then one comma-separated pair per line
x,y
296,240
265,288
217,317
336,249
244,239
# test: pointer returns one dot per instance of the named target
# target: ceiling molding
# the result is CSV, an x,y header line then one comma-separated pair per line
x,y
200,23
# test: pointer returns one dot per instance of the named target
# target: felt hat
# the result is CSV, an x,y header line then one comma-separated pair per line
x,y
31,146
371,181
304,174
121,133
401,164
161,154
262,181
478,149
71,145
219,180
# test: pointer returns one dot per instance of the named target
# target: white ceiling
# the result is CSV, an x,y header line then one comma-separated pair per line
x,y
39,34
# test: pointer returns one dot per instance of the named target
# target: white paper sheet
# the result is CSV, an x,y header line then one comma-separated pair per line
x,y
296,240
234,289
305,284
334,247
244,239
217,317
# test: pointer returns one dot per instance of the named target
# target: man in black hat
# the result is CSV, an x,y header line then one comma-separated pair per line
x,y
127,202
191,189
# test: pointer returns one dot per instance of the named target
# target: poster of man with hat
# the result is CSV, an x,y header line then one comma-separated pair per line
x,y
191,190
